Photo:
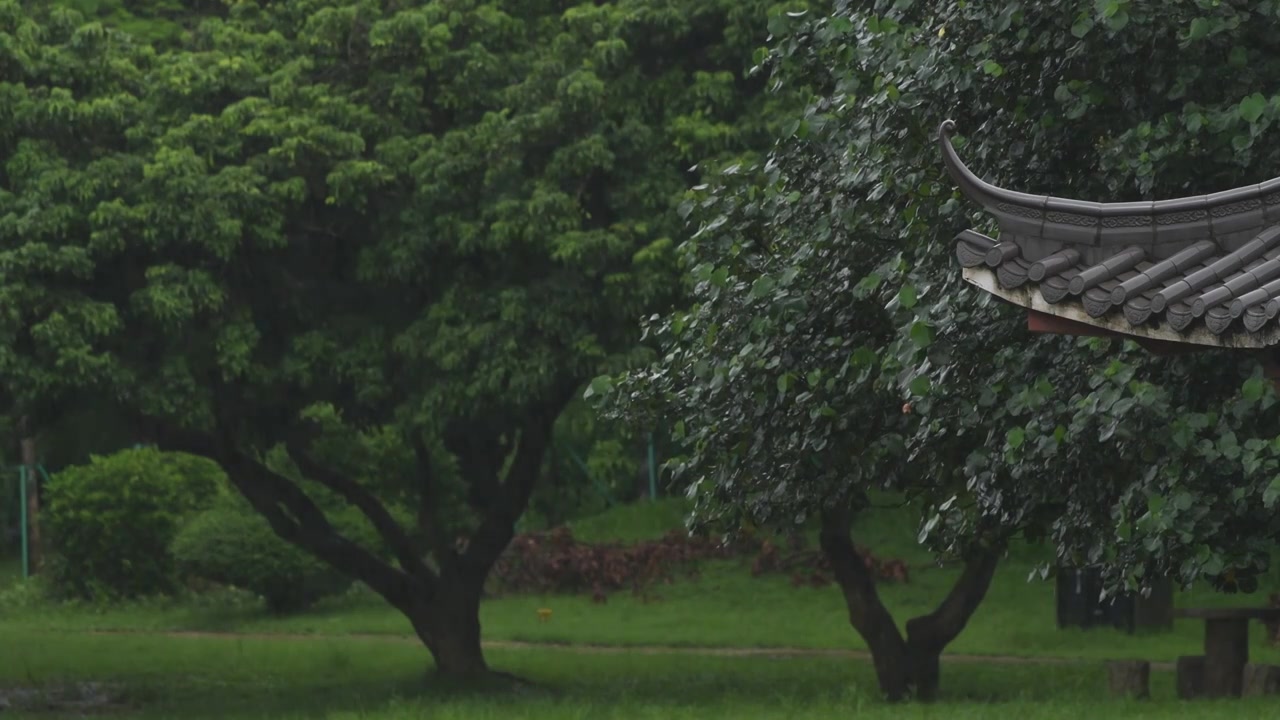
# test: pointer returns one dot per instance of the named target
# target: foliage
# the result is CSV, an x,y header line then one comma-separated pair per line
x,y
388,239
110,522
831,348
234,546
554,562
151,21
591,465
808,333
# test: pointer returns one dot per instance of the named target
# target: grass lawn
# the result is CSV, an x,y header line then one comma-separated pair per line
x,y
348,678
723,607
340,673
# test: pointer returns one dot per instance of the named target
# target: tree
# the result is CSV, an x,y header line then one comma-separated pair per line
x,y
1150,466
785,376
153,21
832,349
357,250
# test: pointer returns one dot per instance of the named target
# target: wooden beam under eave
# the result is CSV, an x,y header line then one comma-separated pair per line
x,y
1040,322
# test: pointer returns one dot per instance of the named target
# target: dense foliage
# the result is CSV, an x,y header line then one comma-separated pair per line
x,y
111,521
555,562
390,240
232,545
832,349
153,21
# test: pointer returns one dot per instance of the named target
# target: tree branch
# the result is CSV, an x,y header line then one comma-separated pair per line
x,y
437,542
479,461
361,498
867,613
295,517
497,527
937,629
308,528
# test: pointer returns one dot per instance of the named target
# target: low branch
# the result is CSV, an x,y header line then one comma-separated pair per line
x,y
373,509
937,629
497,527
295,517
867,613
437,541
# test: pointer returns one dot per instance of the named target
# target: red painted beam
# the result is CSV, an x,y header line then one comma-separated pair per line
x,y
1053,325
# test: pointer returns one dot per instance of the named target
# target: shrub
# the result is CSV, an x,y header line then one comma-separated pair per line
x,y
110,522
231,544
556,562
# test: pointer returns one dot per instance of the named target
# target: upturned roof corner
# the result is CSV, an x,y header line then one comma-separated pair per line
x,y
1202,270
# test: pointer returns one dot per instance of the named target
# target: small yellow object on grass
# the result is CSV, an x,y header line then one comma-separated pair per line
x,y
544,614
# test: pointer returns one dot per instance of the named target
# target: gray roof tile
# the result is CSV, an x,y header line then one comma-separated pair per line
x,y
1210,259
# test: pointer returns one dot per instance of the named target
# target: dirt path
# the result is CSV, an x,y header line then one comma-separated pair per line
x,y
777,653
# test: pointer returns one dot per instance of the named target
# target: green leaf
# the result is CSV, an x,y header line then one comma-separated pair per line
x,y
907,297
1155,504
1252,107
762,287
1200,28
921,334
1015,438
1272,493
778,25
784,382
1254,389
599,386
1183,501
921,385
1212,566
927,528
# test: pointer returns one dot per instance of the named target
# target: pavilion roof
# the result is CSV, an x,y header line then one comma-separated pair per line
x,y
1201,270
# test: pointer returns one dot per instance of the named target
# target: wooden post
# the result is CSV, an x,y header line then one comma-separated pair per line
x,y
1130,678
1261,680
31,462
1190,677
1226,649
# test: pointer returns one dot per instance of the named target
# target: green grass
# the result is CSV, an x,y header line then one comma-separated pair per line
x,y
378,680
632,523
339,676
10,571
723,607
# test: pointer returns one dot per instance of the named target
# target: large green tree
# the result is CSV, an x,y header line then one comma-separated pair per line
x,y
832,349
363,247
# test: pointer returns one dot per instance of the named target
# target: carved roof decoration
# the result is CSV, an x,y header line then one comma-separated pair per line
x,y
1203,270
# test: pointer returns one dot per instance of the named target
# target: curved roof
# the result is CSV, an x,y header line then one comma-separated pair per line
x,y
1203,269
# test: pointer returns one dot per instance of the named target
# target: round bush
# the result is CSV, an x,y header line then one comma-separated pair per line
x,y
233,545
110,522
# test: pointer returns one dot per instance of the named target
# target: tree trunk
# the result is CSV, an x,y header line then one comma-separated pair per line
x,y
450,628
925,671
907,666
